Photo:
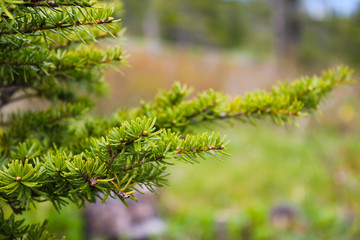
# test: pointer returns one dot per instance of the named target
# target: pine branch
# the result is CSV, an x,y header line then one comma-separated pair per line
x,y
60,21
60,62
132,150
134,165
284,103
175,112
66,67
63,74
58,25
20,63
11,43
49,4
22,7
46,3
98,35
54,4
114,154
11,228
48,124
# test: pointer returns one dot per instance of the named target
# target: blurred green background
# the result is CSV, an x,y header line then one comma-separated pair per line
x,y
279,182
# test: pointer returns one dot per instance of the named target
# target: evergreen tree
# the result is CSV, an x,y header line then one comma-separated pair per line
x,y
48,50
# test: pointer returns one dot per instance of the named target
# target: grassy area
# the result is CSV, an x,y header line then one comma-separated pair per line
x,y
269,168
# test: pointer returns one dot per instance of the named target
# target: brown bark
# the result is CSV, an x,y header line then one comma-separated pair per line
x,y
287,25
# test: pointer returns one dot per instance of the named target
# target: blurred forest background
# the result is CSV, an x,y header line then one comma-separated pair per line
x,y
279,182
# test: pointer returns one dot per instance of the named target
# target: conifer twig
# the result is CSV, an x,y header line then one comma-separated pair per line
x,y
59,25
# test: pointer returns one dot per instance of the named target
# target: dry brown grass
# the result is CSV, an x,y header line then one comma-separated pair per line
x,y
201,69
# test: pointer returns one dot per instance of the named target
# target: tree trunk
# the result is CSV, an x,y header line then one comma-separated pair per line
x,y
151,28
287,26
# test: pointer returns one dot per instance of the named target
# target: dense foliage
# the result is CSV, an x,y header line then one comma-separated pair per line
x,y
63,155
